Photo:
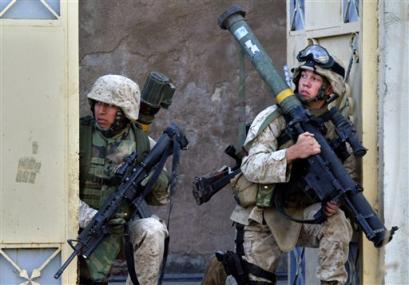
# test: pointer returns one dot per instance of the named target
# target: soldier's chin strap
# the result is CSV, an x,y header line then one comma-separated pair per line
x,y
321,96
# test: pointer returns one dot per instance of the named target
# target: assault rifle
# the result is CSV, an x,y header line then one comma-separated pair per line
x,y
206,186
132,174
326,178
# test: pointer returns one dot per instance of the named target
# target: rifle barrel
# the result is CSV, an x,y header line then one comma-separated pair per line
x,y
64,266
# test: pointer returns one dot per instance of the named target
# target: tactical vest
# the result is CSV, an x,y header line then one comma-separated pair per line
x,y
248,193
96,170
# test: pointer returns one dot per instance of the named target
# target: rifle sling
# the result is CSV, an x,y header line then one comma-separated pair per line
x,y
279,199
278,194
130,261
175,164
148,189
143,213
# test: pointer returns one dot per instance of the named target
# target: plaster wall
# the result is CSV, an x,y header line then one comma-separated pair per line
x,y
394,133
182,40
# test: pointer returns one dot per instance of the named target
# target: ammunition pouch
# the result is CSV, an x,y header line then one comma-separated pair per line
x,y
264,195
244,191
247,193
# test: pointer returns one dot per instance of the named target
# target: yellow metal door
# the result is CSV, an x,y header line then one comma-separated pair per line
x,y
38,138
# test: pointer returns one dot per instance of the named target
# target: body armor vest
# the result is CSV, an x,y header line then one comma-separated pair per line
x,y
100,156
262,195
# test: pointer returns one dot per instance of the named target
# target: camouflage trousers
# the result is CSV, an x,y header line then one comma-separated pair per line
x,y
148,240
331,238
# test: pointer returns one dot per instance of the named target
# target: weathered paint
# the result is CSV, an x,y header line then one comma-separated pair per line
x,y
38,144
369,56
27,169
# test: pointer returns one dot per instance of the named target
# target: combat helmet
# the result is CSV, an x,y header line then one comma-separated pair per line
x,y
119,91
316,58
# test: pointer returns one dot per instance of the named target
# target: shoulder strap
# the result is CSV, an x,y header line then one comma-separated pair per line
x,y
267,121
86,126
142,142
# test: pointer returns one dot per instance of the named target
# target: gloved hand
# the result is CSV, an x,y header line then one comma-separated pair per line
x,y
118,219
86,214
117,222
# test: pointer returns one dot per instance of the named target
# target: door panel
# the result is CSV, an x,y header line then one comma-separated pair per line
x,y
38,138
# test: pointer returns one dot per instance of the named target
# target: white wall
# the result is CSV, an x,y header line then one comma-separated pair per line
x,y
394,128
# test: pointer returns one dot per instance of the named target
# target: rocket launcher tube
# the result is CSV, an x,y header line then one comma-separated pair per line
x,y
233,20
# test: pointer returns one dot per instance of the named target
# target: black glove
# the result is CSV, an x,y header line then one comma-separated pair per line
x,y
117,222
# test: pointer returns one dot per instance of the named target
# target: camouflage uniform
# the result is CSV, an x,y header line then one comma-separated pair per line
x,y
99,157
268,233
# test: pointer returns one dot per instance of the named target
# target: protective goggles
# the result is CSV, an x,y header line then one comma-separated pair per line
x,y
317,55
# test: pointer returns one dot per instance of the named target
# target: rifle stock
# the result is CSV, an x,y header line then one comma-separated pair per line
x,y
205,187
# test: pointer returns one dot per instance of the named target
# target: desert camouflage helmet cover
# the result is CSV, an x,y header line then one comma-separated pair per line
x,y
336,80
119,91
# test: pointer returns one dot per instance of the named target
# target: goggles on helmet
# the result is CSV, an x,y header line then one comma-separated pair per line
x,y
317,55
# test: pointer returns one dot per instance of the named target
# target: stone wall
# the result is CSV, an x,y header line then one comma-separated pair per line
x,y
182,40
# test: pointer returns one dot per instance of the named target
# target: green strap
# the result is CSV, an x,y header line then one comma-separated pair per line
x,y
269,119
141,141
86,126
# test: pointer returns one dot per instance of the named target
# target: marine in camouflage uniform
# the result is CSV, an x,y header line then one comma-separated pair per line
x,y
267,167
103,146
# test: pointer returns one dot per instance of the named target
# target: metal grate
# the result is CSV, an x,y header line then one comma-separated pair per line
x,y
350,10
28,265
30,9
297,15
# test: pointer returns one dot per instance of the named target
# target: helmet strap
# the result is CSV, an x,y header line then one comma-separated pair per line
x,y
321,94
117,126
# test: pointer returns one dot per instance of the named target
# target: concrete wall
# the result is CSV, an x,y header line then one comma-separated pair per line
x,y
394,133
182,40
